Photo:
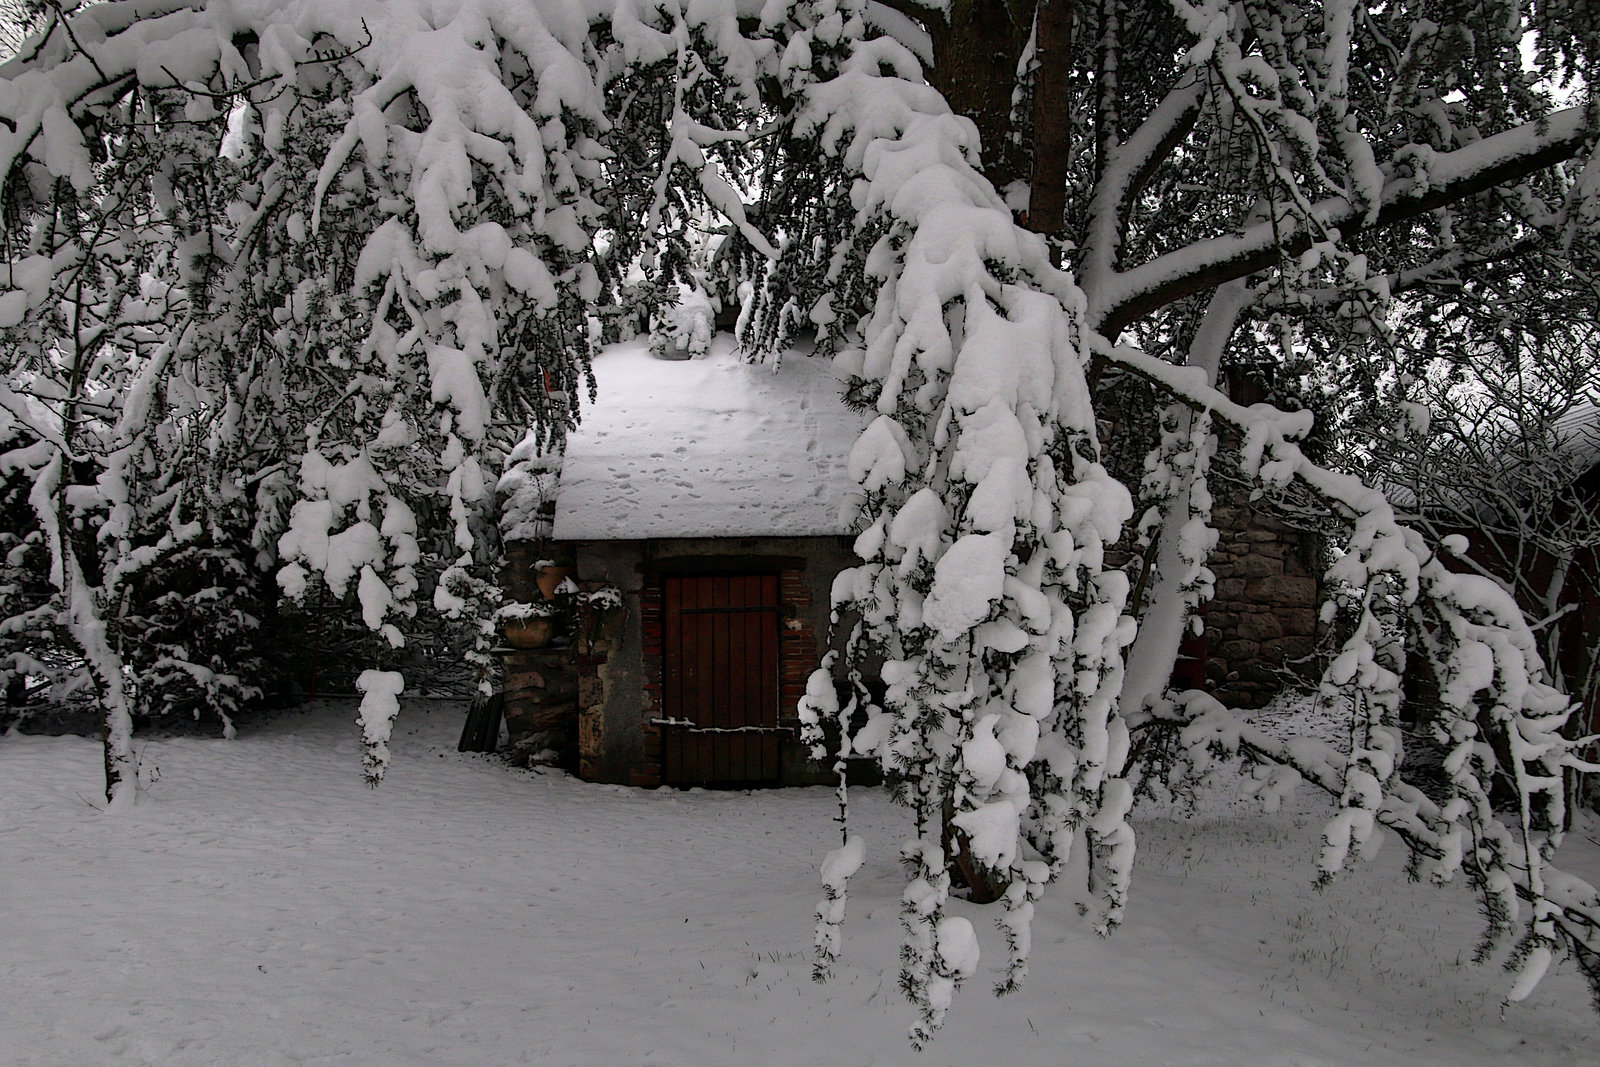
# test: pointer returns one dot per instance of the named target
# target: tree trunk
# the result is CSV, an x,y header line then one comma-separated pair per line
x,y
1155,650
983,885
1052,123
975,53
88,630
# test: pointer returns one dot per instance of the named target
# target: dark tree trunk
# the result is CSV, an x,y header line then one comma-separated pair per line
x,y
983,885
975,55
1052,124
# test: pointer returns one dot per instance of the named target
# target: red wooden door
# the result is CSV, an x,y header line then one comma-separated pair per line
x,y
719,679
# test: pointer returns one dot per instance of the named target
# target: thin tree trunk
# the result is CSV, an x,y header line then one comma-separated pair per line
x,y
1155,650
976,48
88,630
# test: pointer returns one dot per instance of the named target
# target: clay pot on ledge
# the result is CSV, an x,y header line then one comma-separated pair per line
x,y
549,579
534,632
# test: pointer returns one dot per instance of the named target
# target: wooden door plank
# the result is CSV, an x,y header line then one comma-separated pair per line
x,y
693,751
671,675
769,675
732,679
738,690
751,677
717,675
756,625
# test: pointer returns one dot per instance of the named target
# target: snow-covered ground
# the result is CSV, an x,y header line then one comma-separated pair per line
x,y
262,906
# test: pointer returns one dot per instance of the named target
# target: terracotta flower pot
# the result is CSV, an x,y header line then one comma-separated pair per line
x,y
548,578
529,633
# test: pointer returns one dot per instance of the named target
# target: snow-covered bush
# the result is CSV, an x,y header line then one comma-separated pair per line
x,y
684,326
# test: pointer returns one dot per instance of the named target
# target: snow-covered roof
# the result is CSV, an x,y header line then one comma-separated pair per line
x,y
1578,432
710,447
1573,440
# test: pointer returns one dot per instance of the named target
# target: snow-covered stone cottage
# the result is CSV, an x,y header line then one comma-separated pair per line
x,y
707,494
701,514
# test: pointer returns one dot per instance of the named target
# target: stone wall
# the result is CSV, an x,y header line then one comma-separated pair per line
x,y
1264,616
540,686
541,705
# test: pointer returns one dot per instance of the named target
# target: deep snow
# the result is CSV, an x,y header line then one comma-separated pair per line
x,y
260,905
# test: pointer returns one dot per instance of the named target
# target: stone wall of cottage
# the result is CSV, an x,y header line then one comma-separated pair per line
x,y
1262,625
539,686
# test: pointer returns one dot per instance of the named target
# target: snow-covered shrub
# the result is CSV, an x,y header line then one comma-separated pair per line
x,y
527,490
192,636
684,326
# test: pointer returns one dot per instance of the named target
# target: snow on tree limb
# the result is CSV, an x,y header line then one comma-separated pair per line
x,y
1434,180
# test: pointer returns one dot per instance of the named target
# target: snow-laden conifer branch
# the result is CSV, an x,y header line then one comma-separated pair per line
x,y
984,522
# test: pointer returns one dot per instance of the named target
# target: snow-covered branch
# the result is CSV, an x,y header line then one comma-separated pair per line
x,y
1426,181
